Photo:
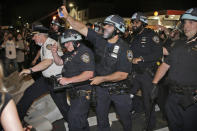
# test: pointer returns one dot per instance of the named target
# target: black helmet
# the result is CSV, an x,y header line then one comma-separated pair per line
x,y
139,16
70,35
190,14
116,21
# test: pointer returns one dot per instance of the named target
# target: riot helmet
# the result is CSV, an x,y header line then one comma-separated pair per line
x,y
116,21
70,35
139,16
190,14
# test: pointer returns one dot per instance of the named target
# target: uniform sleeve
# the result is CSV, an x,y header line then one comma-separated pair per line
x,y
156,49
92,36
124,62
87,61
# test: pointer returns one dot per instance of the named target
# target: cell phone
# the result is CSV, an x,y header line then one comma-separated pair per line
x,y
60,11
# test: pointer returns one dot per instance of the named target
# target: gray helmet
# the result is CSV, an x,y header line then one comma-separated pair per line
x,y
116,21
190,14
139,16
70,35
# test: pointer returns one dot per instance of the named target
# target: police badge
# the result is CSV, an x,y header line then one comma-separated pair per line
x,y
85,58
156,39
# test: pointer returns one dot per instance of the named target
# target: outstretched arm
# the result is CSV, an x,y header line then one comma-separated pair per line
x,y
76,25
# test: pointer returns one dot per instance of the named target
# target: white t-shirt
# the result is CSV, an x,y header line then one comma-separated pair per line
x,y
46,54
10,49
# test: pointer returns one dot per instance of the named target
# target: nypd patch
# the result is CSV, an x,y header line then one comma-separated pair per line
x,y
85,58
129,55
156,39
49,46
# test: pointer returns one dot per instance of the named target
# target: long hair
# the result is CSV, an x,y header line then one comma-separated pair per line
x,y
2,88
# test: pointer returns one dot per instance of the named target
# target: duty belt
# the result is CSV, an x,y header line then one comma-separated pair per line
x,y
182,89
115,88
73,94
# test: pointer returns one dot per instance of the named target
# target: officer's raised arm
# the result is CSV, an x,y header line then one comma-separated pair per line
x,y
57,58
75,24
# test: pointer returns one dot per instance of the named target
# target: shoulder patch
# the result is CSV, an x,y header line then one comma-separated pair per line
x,y
49,46
85,58
156,39
130,55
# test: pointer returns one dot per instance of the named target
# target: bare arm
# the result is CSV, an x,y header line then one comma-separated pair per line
x,y
76,25
42,65
57,58
86,75
39,67
36,58
114,77
165,51
161,71
10,119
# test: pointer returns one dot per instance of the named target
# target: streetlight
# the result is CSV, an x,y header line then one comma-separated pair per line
x,y
54,17
71,5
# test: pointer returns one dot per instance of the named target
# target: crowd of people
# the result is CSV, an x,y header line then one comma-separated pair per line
x,y
118,65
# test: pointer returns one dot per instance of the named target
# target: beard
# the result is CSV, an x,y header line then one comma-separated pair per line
x,y
136,29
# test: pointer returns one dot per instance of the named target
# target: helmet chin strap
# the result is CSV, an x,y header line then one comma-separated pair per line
x,y
75,45
114,33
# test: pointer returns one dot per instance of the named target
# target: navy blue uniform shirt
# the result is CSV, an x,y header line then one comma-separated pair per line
x,y
147,45
78,62
183,62
110,58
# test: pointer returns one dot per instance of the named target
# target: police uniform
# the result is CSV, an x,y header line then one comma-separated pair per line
x,y
181,112
75,63
43,85
145,45
111,58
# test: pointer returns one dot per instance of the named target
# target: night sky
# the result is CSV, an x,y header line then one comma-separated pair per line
x,y
31,10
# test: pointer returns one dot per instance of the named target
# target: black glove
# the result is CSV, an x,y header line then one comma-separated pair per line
x,y
154,92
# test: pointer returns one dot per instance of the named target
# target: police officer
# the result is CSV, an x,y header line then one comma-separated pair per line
x,y
78,64
48,68
146,50
181,108
54,32
113,63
